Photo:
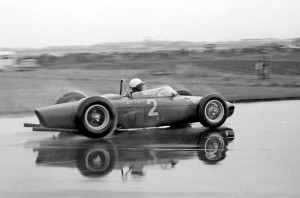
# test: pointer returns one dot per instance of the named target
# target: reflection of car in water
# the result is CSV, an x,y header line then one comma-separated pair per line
x,y
131,151
98,116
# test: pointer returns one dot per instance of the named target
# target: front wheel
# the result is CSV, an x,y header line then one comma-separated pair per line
x,y
96,117
212,111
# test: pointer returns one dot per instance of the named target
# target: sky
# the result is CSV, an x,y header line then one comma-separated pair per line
x,y
42,23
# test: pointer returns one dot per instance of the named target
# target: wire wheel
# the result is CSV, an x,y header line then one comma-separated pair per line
x,y
96,117
214,111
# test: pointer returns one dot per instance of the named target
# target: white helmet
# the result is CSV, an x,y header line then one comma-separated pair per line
x,y
136,83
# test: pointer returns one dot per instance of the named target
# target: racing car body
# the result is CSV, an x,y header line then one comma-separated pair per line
x,y
98,116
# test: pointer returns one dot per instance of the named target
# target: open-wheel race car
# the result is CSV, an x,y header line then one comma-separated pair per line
x,y
98,116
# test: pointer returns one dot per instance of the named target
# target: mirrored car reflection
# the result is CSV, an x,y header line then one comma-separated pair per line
x,y
131,151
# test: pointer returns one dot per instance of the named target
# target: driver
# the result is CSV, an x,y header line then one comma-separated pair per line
x,y
137,85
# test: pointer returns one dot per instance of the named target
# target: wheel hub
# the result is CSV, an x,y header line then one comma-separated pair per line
x,y
97,117
214,111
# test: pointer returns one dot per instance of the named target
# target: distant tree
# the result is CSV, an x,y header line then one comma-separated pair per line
x,y
46,59
297,42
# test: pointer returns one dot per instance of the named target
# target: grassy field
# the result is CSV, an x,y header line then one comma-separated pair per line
x,y
22,92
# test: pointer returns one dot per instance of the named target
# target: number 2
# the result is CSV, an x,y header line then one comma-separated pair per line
x,y
152,111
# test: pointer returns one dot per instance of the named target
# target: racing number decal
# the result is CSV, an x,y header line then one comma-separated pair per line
x,y
152,110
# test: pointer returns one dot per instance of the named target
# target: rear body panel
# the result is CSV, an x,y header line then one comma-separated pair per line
x,y
58,116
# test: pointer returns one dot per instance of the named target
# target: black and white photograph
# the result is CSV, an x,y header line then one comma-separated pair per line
x,y
150,98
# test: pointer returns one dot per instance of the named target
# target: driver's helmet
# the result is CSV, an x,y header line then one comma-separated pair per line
x,y
136,84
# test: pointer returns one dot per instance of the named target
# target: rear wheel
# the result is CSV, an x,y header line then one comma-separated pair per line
x,y
212,111
70,97
96,117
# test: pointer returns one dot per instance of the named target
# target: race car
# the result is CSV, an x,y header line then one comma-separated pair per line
x,y
98,116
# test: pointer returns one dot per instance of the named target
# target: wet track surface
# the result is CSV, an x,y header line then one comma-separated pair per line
x,y
255,154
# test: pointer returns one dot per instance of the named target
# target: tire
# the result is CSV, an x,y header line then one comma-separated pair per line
x,y
183,92
212,147
212,111
96,117
70,97
98,160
